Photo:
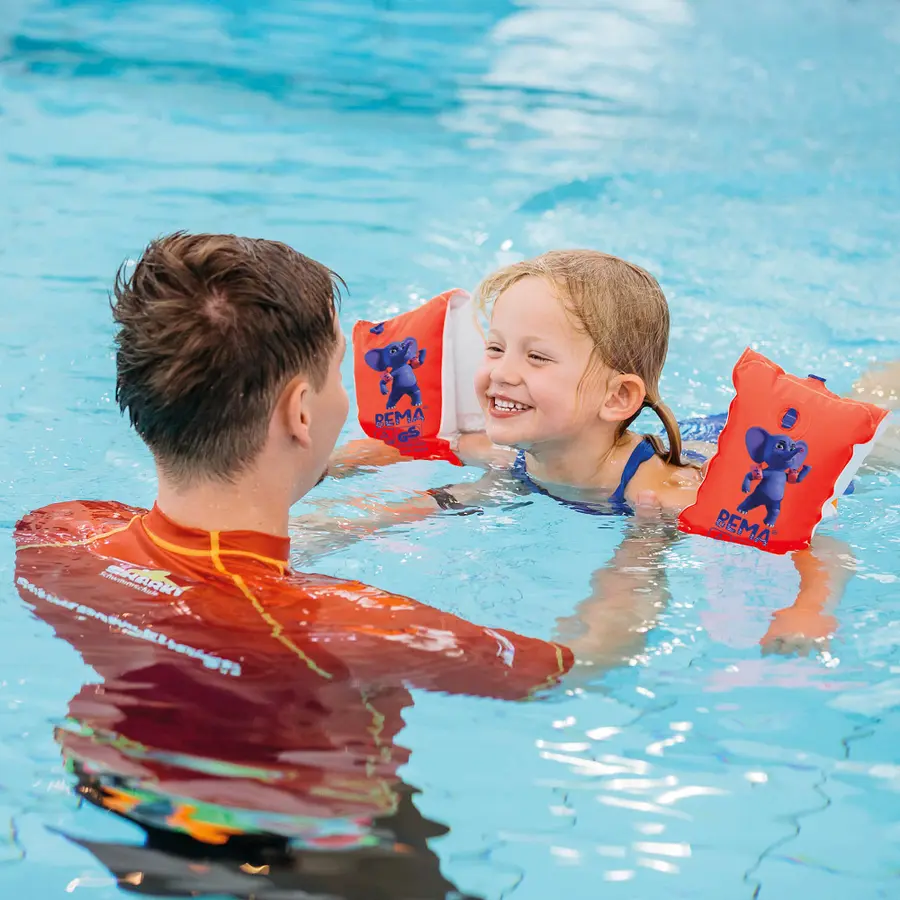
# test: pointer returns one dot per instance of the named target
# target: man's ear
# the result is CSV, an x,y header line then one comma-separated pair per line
x,y
624,397
293,411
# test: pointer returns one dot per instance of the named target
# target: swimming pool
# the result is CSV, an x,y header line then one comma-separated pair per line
x,y
746,158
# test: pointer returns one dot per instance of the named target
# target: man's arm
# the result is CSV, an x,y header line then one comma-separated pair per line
x,y
382,638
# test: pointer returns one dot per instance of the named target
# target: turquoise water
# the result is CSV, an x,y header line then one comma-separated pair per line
x,y
745,155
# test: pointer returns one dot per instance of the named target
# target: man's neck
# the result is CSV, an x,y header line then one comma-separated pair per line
x,y
246,505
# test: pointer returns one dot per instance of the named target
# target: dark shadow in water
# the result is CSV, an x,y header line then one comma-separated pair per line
x,y
234,800
256,867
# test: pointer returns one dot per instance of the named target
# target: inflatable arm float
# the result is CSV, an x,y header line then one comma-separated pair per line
x,y
789,450
414,377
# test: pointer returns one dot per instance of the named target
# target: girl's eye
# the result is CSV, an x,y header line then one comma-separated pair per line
x,y
536,357
493,350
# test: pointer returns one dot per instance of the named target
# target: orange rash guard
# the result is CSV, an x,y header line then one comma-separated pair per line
x,y
230,680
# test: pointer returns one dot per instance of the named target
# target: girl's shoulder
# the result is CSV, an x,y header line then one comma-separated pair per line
x,y
658,483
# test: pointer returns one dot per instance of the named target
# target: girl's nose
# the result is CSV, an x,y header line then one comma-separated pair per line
x,y
504,372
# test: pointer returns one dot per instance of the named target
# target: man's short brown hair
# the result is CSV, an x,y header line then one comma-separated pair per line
x,y
211,329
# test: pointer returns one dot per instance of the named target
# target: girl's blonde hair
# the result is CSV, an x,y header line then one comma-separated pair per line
x,y
620,307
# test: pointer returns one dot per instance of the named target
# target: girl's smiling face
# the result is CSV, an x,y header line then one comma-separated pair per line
x,y
532,383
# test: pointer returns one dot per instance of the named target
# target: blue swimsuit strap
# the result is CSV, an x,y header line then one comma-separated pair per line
x,y
641,453
519,468
639,456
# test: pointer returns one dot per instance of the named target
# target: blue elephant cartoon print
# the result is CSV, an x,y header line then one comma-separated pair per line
x,y
398,361
779,462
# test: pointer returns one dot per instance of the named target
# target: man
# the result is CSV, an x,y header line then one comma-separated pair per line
x,y
244,705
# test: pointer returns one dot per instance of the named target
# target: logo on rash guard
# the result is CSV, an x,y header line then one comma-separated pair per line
x,y
149,581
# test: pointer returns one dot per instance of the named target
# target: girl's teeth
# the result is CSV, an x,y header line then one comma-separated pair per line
x,y
508,405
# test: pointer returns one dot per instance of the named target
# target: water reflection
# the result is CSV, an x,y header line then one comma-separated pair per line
x,y
249,790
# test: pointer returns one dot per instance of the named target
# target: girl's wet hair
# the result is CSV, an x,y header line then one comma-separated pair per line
x,y
621,308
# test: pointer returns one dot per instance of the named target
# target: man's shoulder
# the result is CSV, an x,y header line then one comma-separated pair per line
x,y
73,520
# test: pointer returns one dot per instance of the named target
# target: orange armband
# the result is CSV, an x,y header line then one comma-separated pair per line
x,y
414,377
789,450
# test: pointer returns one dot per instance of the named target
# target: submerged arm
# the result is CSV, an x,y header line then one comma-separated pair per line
x,y
627,595
315,534
824,568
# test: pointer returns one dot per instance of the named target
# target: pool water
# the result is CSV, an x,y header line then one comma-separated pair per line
x,y
745,153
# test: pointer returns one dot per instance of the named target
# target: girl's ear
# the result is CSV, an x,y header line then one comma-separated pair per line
x,y
624,398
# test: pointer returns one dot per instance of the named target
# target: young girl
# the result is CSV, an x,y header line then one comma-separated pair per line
x,y
574,353
575,350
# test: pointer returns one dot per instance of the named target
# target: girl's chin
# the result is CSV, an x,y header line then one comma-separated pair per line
x,y
508,434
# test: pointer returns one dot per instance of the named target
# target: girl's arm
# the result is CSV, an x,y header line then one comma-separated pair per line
x,y
357,456
364,454
610,626
628,594
824,569
315,534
